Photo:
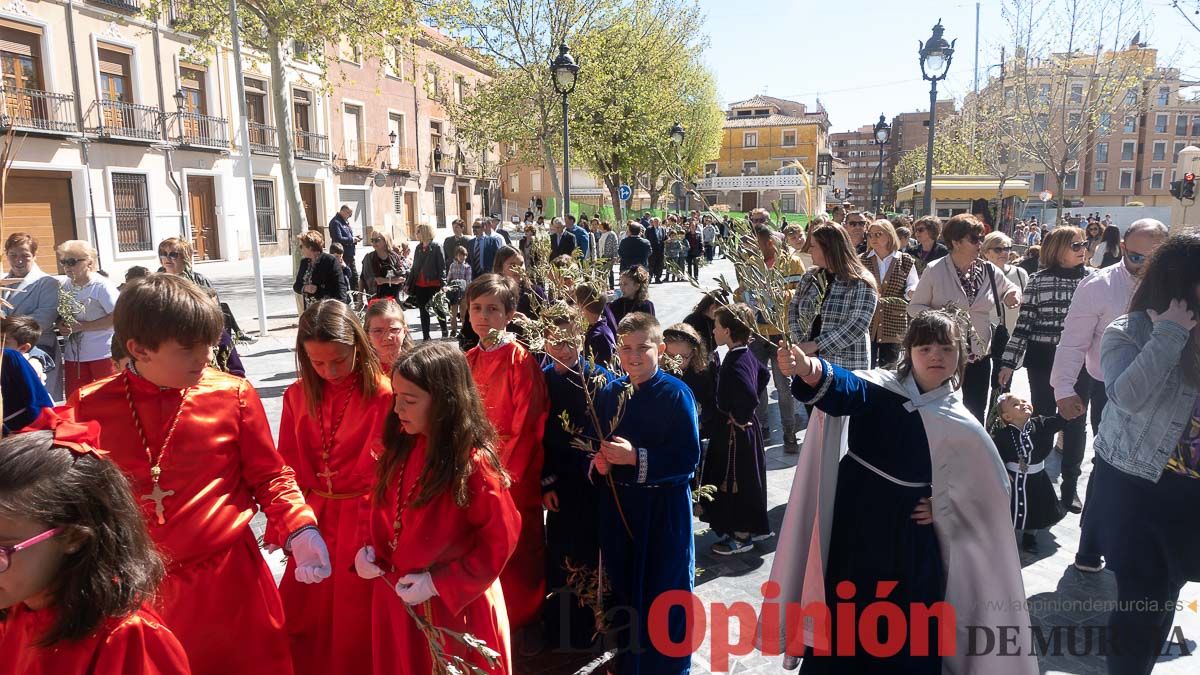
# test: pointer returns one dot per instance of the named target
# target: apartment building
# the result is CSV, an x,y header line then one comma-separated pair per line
x,y
395,159
764,138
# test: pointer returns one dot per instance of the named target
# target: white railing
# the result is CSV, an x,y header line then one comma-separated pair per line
x,y
749,182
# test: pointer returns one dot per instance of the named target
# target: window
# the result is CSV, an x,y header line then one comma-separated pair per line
x,y
302,111
435,142
1164,95
1044,93
396,150
1160,124
1179,145
460,90
191,83
1102,152
1126,179
787,202
535,180
1073,120
391,61
1156,179
745,113
1070,180
750,139
1104,126
1160,151
1196,125
352,129
1127,150
1039,182
1043,120
398,201
789,139
1130,124
349,52
1077,93
432,84
264,211
1131,96
1099,179
131,209
710,170
749,168
256,102
20,55
1181,125
115,83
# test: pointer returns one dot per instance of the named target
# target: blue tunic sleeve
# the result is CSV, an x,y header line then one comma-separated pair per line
x,y
839,392
24,395
660,422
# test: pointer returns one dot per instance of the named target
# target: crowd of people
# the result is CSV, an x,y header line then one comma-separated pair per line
x,y
516,493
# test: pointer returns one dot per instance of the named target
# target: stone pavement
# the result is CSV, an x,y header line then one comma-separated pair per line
x,y
1060,597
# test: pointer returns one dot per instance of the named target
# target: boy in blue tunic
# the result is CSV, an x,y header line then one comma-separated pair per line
x,y
646,528
569,496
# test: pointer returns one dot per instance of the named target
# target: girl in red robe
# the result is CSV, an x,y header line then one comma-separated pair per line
x,y
76,562
514,395
387,331
440,524
330,433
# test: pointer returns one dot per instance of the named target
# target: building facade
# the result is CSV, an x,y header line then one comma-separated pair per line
x,y
764,142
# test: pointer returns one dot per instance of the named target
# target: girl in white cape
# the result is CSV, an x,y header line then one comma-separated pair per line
x,y
900,492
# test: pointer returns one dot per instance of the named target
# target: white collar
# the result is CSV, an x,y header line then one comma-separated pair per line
x,y
31,276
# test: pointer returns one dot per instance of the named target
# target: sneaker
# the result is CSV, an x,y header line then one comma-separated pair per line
x,y
1088,564
762,537
1075,506
732,546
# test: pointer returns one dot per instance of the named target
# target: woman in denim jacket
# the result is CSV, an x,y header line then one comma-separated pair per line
x,y
1147,473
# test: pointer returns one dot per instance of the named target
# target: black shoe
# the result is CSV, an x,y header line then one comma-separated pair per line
x,y
1075,506
1029,542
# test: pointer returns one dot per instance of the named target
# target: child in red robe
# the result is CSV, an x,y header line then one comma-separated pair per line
x,y
385,326
514,395
441,524
197,448
330,433
77,563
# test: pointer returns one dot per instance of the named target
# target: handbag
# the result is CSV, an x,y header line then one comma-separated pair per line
x,y
999,332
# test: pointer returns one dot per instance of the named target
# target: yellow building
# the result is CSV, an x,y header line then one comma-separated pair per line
x,y
763,140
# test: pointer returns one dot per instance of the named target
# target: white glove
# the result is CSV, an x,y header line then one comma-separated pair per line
x,y
312,558
415,588
364,563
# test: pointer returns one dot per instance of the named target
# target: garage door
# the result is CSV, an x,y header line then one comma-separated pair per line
x,y
40,204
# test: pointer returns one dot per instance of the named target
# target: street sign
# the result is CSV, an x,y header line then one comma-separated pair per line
x,y
1046,195
624,193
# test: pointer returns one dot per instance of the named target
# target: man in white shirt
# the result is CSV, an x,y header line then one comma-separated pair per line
x,y
1098,301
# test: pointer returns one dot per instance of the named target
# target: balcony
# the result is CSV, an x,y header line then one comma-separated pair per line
x,y
359,156
750,182
312,146
121,121
130,6
401,160
37,112
263,139
443,163
203,132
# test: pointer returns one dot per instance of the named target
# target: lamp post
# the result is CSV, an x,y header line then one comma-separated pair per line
x,y
676,134
935,56
883,133
563,71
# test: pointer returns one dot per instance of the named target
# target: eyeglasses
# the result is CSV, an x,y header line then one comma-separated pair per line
x,y
1001,249
875,234
6,552
381,332
173,255
1136,258
70,262
856,223
1078,245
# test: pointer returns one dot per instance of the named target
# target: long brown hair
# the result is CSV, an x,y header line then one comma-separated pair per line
x,y
332,321
458,426
116,567
1173,273
1055,243
840,259
682,332
389,309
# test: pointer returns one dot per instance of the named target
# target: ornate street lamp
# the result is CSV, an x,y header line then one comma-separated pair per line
x,y
935,55
677,134
883,133
563,72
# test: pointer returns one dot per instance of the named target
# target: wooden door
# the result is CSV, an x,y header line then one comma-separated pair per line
x,y
410,212
308,197
202,203
464,202
749,201
40,203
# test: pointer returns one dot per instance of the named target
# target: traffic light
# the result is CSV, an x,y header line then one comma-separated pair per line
x,y
1189,186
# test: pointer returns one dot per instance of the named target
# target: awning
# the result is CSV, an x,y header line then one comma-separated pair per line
x,y
964,187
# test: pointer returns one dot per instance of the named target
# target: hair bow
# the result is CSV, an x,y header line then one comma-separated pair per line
x,y
78,437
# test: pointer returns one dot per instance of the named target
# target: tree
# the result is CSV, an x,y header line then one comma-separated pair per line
x,y
1064,88
953,154
274,28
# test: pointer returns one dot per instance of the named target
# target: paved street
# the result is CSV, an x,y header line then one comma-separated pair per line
x,y
1059,595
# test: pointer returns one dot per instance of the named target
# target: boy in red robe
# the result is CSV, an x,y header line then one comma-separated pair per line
x,y
197,449
514,395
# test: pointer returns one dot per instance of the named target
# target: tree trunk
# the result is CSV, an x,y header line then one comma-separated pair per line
x,y
286,138
1061,179
552,169
613,183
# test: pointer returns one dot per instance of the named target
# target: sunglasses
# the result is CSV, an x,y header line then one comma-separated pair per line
x,y
6,552
173,255
1002,249
875,234
70,262
856,223
1078,245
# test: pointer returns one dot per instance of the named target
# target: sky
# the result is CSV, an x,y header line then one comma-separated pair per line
x,y
860,56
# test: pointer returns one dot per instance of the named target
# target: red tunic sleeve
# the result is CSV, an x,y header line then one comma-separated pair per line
x,y
273,482
527,408
141,646
492,515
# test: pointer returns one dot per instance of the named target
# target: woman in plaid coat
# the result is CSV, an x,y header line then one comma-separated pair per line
x,y
832,309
